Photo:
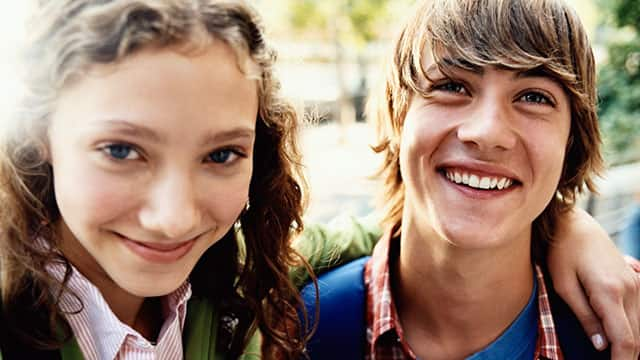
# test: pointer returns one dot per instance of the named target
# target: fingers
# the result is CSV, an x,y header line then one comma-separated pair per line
x,y
572,293
633,262
599,287
631,308
619,329
620,316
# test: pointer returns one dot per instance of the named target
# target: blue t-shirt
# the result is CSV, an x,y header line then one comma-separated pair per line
x,y
519,340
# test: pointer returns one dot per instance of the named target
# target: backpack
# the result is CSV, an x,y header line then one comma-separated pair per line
x,y
341,332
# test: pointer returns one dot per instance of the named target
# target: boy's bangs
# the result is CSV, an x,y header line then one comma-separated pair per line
x,y
514,35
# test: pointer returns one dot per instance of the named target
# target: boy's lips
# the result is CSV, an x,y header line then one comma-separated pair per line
x,y
479,180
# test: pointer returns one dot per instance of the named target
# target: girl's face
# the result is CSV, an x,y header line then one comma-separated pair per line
x,y
152,160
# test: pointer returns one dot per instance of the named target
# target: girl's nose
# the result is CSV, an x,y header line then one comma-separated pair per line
x,y
171,208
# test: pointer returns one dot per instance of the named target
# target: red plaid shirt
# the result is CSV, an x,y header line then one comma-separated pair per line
x,y
385,338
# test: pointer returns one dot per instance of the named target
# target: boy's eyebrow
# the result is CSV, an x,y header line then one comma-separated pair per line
x,y
464,65
127,128
451,63
538,71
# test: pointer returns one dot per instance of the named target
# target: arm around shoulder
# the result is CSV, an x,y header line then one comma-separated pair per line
x,y
326,246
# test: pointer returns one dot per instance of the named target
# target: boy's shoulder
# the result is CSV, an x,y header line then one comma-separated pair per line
x,y
342,328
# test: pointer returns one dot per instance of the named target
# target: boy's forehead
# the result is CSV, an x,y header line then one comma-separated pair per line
x,y
448,65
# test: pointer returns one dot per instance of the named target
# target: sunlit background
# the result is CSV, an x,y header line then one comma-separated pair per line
x,y
329,57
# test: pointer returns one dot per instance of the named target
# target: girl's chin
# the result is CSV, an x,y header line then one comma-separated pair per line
x,y
147,287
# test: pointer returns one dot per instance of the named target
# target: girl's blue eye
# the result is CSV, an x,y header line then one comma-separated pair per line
x,y
120,151
220,156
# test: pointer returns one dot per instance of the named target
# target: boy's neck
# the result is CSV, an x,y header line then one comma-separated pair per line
x,y
454,302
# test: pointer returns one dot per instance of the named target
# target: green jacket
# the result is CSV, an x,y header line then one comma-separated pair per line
x,y
324,246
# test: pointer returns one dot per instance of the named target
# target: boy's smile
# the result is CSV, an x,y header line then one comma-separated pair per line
x,y
482,154
478,181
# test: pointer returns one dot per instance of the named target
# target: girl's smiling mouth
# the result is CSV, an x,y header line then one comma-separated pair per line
x,y
159,252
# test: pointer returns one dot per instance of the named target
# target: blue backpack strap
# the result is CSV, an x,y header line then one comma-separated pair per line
x,y
341,332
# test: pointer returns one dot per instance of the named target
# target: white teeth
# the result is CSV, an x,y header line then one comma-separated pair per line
x,y
478,182
501,183
474,181
485,183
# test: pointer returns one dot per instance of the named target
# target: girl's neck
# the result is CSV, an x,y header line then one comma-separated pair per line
x,y
149,320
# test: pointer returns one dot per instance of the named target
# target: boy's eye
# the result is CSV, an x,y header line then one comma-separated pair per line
x,y
222,156
451,86
536,98
121,152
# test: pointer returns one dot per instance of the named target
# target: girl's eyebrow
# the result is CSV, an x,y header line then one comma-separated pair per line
x,y
127,128
237,133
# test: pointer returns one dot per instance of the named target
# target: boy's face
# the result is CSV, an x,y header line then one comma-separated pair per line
x,y
152,160
482,156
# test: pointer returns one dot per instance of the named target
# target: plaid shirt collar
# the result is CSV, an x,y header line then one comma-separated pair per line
x,y
385,337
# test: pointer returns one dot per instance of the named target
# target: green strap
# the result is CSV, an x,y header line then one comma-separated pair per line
x,y
71,350
200,331
252,351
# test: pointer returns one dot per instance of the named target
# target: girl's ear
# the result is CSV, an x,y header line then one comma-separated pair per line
x,y
44,151
43,146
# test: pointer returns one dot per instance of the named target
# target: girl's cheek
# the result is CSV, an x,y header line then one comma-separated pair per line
x,y
96,196
227,200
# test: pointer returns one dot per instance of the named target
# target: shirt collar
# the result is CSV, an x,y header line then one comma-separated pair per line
x,y
383,320
93,321
382,316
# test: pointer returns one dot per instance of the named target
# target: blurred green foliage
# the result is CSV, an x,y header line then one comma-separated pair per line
x,y
349,22
619,84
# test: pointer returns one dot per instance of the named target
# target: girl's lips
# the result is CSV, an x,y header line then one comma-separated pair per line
x,y
159,253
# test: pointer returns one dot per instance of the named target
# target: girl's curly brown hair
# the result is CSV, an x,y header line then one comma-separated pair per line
x,y
245,279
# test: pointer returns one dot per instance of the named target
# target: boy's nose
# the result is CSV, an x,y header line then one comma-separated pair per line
x,y
488,128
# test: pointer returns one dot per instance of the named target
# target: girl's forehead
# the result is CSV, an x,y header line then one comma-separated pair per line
x,y
166,90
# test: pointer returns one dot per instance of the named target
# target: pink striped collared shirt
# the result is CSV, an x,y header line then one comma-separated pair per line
x,y
102,336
